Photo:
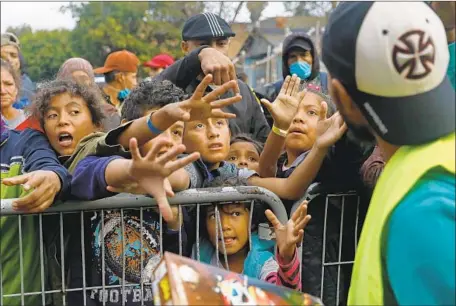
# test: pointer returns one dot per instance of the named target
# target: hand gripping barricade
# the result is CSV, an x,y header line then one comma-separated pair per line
x,y
330,240
65,248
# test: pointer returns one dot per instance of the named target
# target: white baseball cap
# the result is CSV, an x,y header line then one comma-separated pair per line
x,y
392,58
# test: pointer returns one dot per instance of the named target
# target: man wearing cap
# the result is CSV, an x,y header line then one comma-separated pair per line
x,y
205,41
300,57
120,71
11,52
158,63
388,78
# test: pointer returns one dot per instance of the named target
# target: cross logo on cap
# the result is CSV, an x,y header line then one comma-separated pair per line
x,y
414,53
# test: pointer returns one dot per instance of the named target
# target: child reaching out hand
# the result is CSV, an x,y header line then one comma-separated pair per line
x,y
211,138
71,118
260,260
31,172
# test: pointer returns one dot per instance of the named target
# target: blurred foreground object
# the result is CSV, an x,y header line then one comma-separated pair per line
x,y
182,281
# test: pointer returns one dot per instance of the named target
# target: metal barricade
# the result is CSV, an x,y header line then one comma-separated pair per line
x,y
53,244
330,242
346,244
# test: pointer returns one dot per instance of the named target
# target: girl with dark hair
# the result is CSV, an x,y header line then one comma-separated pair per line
x,y
232,229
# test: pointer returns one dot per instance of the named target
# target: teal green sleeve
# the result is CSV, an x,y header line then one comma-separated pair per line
x,y
420,245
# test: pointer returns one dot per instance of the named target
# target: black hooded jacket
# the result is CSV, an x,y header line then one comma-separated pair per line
x,y
286,49
271,91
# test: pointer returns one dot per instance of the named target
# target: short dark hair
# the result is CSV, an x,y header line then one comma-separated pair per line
x,y
149,95
248,138
17,80
48,90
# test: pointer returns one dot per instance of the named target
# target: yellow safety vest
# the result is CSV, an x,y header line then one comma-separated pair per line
x,y
401,173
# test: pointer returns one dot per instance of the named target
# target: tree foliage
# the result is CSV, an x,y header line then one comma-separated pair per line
x,y
309,8
256,10
20,30
227,10
144,28
45,51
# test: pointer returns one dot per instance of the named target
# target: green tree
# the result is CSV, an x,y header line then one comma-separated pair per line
x,y
20,30
44,52
144,28
227,10
256,10
309,8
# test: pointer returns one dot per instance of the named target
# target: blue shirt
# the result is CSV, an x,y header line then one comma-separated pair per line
x,y
420,244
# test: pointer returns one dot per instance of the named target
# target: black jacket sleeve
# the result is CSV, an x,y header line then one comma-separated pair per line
x,y
186,70
183,71
259,127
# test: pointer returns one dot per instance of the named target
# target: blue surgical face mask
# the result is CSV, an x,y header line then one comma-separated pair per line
x,y
301,69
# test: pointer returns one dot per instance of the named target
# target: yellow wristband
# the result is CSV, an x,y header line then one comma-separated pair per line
x,y
278,131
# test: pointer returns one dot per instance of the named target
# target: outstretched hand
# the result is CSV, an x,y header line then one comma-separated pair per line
x,y
329,130
201,106
149,174
45,185
290,234
286,104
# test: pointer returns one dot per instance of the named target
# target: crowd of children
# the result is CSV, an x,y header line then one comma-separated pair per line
x,y
186,128
167,141
74,158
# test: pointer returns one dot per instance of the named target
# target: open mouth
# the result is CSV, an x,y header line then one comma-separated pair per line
x,y
227,240
215,146
65,139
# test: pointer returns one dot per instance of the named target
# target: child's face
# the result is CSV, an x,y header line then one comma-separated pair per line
x,y
244,155
66,122
235,226
303,129
174,134
209,137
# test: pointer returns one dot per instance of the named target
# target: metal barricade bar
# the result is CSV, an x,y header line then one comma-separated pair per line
x,y
222,195
338,263
190,196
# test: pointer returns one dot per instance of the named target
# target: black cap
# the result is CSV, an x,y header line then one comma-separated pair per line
x,y
300,43
393,65
206,26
